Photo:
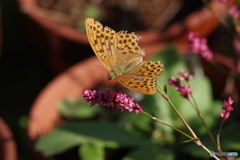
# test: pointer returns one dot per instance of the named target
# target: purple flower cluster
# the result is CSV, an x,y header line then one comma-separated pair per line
x,y
115,100
223,1
226,109
199,45
185,90
185,75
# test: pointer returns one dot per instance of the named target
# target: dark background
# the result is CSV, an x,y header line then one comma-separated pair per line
x,y
23,74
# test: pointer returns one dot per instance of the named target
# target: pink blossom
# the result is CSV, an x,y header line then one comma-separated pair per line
x,y
234,12
115,100
185,75
175,82
199,46
185,90
227,108
192,35
223,1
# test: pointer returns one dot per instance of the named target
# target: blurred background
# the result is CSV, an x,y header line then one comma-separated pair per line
x,y
34,51
24,72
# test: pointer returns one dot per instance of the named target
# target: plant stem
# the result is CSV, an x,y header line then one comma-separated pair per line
x,y
160,121
202,119
198,142
218,138
179,115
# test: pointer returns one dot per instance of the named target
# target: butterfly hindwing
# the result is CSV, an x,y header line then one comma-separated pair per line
x,y
147,68
141,84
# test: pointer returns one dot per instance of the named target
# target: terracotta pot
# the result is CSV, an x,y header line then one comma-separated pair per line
x,y
8,150
64,45
44,115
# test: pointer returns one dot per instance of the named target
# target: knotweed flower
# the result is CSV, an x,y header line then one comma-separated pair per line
x,y
185,90
115,100
185,75
234,12
223,1
199,46
227,108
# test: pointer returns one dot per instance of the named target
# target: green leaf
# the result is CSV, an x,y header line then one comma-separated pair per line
x,y
92,10
161,109
92,151
229,140
150,152
137,124
23,122
77,109
76,133
165,88
57,142
159,106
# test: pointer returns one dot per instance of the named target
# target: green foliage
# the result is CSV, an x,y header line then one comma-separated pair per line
x,y
136,131
153,152
229,142
92,151
90,11
23,121
201,91
77,109
165,88
92,136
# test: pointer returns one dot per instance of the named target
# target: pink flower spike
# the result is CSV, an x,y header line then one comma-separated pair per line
x,y
230,101
175,83
227,108
115,100
185,90
223,1
191,35
199,46
185,75
207,54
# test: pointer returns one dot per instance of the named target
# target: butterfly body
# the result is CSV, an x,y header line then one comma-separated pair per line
x,y
120,54
114,74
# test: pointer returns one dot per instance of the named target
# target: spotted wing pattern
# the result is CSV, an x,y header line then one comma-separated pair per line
x,y
141,84
141,78
113,49
147,68
120,54
103,42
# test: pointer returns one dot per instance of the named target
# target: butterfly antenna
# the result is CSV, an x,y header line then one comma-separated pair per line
x,y
96,65
107,84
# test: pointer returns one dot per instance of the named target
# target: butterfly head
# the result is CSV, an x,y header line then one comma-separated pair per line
x,y
116,73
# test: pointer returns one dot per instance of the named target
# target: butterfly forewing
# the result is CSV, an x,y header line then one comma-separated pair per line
x,y
128,52
102,41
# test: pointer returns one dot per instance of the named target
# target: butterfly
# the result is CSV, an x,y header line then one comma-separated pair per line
x,y
120,54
